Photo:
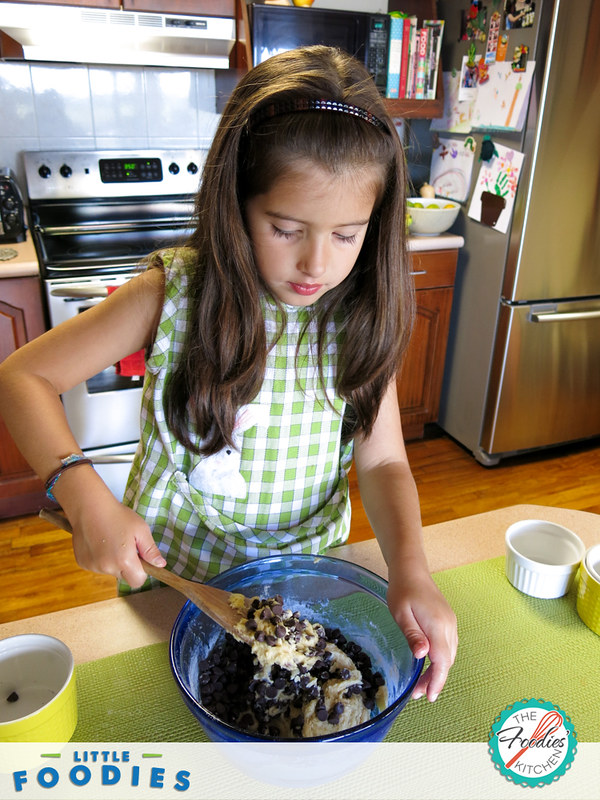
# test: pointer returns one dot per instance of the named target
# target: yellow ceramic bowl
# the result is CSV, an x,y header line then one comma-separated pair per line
x,y
588,593
38,698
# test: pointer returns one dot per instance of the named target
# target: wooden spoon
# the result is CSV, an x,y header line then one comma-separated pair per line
x,y
216,603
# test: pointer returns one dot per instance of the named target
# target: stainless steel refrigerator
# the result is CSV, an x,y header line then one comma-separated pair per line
x,y
523,361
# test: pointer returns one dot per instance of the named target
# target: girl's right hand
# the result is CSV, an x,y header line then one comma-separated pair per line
x,y
108,537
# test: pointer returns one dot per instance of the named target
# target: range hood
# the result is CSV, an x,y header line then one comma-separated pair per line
x,y
106,36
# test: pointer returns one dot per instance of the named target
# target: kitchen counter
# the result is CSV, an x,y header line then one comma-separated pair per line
x,y
124,623
24,264
443,241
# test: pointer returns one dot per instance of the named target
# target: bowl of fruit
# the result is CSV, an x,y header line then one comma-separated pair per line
x,y
430,216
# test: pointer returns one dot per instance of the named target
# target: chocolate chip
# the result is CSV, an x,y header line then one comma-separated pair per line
x,y
322,714
246,720
12,697
280,631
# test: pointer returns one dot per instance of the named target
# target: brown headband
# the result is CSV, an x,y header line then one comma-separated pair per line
x,y
303,104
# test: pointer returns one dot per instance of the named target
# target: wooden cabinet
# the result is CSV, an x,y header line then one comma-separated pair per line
x,y
21,319
419,382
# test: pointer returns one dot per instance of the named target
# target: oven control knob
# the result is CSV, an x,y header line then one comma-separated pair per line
x,y
44,171
173,168
66,171
192,168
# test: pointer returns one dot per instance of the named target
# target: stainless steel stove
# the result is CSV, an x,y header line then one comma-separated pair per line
x,y
94,215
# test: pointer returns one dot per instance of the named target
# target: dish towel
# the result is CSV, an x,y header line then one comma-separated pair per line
x,y
132,365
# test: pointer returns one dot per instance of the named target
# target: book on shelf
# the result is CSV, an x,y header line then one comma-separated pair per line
x,y
421,65
405,53
394,55
436,31
409,92
414,57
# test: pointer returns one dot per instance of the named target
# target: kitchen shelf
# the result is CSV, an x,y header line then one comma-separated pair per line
x,y
419,109
416,109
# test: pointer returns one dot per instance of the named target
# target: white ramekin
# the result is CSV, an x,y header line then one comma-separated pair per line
x,y
542,557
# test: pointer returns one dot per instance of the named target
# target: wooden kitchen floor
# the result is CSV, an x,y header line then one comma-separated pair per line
x,y
38,573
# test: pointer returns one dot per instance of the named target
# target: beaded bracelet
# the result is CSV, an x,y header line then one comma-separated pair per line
x,y
65,463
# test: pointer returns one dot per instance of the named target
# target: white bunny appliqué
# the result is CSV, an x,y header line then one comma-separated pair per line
x,y
220,474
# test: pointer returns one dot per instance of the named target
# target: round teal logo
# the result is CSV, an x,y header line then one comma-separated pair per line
x,y
532,743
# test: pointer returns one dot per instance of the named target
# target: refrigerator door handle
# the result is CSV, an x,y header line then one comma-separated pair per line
x,y
564,316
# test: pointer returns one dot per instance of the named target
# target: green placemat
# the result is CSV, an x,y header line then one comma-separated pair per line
x,y
511,647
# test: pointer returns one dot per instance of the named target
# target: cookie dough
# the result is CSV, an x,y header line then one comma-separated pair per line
x,y
299,679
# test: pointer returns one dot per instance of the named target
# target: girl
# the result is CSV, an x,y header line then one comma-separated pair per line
x,y
272,344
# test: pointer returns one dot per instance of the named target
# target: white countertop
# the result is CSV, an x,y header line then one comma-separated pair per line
x,y
442,241
24,264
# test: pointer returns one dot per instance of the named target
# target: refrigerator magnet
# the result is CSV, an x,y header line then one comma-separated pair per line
x,y
519,62
493,37
502,47
488,149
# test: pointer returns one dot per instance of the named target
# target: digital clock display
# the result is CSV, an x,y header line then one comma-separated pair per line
x,y
132,170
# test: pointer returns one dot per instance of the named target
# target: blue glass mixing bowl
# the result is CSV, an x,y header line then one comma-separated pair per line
x,y
337,594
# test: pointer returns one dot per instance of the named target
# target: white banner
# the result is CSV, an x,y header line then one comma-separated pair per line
x,y
301,771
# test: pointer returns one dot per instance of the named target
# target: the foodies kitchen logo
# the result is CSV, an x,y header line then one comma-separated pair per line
x,y
532,743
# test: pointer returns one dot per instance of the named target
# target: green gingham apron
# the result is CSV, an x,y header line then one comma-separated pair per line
x,y
284,490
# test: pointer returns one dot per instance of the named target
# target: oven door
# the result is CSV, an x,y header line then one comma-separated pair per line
x,y
113,465
107,237
104,410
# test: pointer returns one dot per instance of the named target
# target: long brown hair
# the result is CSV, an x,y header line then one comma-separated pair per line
x,y
223,360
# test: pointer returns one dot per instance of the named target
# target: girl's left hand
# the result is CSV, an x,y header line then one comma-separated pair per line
x,y
429,624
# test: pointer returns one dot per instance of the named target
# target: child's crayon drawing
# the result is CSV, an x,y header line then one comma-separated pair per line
x,y
498,176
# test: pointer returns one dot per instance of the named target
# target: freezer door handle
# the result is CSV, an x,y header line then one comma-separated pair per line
x,y
564,316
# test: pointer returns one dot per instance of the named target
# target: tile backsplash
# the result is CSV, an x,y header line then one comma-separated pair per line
x,y
78,107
